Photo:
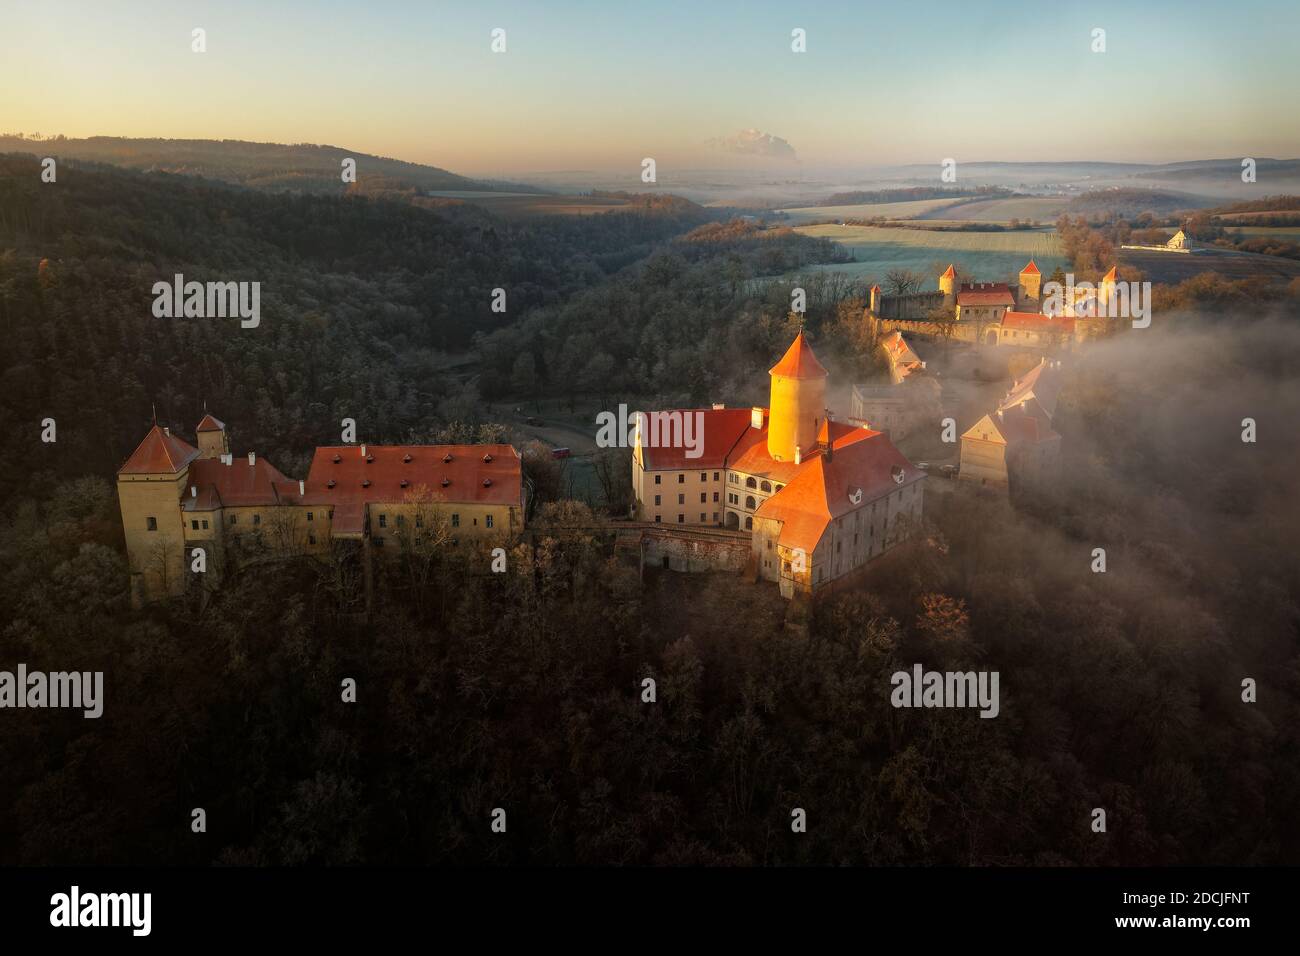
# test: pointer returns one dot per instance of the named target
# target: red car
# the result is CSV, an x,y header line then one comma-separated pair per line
x,y
559,453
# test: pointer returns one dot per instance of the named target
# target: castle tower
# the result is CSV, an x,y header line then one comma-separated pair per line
x,y
149,489
798,402
213,441
1106,290
948,286
1030,283
875,300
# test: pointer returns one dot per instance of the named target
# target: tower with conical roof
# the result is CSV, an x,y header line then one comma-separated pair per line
x,y
1106,291
948,286
798,401
1030,282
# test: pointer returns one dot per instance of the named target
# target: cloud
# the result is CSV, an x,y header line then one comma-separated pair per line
x,y
754,142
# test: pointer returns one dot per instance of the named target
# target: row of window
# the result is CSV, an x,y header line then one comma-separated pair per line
x,y
754,483
681,519
681,479
681,499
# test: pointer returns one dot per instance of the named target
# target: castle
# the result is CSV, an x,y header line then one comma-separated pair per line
x,y
820,498
1016,442
189,511
997,313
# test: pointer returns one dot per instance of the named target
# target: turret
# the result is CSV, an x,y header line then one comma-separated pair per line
x,y
875,300
1106,290
213,442
948,286
797,402
1030,283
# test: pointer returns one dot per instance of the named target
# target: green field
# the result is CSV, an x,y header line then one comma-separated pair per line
x,y
1041,208
889,210
1265,232
988,256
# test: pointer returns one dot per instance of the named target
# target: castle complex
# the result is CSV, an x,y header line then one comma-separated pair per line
x,y
820,498
190,510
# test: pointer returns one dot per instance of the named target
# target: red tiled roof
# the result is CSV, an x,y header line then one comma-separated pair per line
x,y
950,274
1112,275
470,479
723,427
985,293
798,361
210,424
1037,322
1030,270
1041,383
236,485
821,491
159,453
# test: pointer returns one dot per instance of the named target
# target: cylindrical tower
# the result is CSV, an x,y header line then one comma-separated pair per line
x,y
798,402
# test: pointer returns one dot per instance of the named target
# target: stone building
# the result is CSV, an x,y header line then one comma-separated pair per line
x,y
185,507
1015,445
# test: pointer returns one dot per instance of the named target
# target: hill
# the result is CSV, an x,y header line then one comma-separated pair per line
x,y
301,167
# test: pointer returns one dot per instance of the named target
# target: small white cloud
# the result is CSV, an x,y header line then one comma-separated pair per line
x,y
754,142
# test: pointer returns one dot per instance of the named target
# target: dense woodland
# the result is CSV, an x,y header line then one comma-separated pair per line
x,y
523,690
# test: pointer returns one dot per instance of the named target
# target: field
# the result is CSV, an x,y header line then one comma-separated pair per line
x,y
530,204
1173,267
1266,232
1041,208
988,256
889,210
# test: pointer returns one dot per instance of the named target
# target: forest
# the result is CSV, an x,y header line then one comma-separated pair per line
x,y
523,690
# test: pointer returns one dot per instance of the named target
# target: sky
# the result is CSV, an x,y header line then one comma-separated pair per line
x,y
601,85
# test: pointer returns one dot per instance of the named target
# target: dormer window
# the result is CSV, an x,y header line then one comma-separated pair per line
x,y
337,458
487,459
365,483
369,459
403,482
331,483
446,459
446,482
406,458
487,482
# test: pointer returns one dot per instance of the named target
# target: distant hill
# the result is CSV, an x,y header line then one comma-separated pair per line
x,y
1134,202
301,167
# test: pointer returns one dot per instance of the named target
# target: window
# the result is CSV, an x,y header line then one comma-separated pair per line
x,y
769,544
704,476
383,521
681,519
751,483
151,523
379,542
257,519
681,479
234,518
419,520
455,521
310,516
658,519
401,520
715,497
194,525
681,499
703,518
311,539
715,517
715,476
489,521
657,497
704,497
749,524
749,502
766,486
657,479
205,524
331,514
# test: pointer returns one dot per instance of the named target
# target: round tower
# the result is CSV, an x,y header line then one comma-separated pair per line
x,y
798,402
948,286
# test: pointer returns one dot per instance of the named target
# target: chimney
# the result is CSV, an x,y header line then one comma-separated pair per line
x,y
798,455
194,491
252,459
302,487
227,459
718,406
756,417
167,431
363,451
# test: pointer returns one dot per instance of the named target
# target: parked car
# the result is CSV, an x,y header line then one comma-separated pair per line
x,y
949,471
923,465
560,453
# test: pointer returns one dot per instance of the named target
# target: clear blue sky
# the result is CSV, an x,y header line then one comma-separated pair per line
x,y
599,85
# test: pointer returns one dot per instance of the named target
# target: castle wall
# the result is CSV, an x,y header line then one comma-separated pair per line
x,y
155,555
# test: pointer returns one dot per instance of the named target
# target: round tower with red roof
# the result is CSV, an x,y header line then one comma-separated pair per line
x,y
798,402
